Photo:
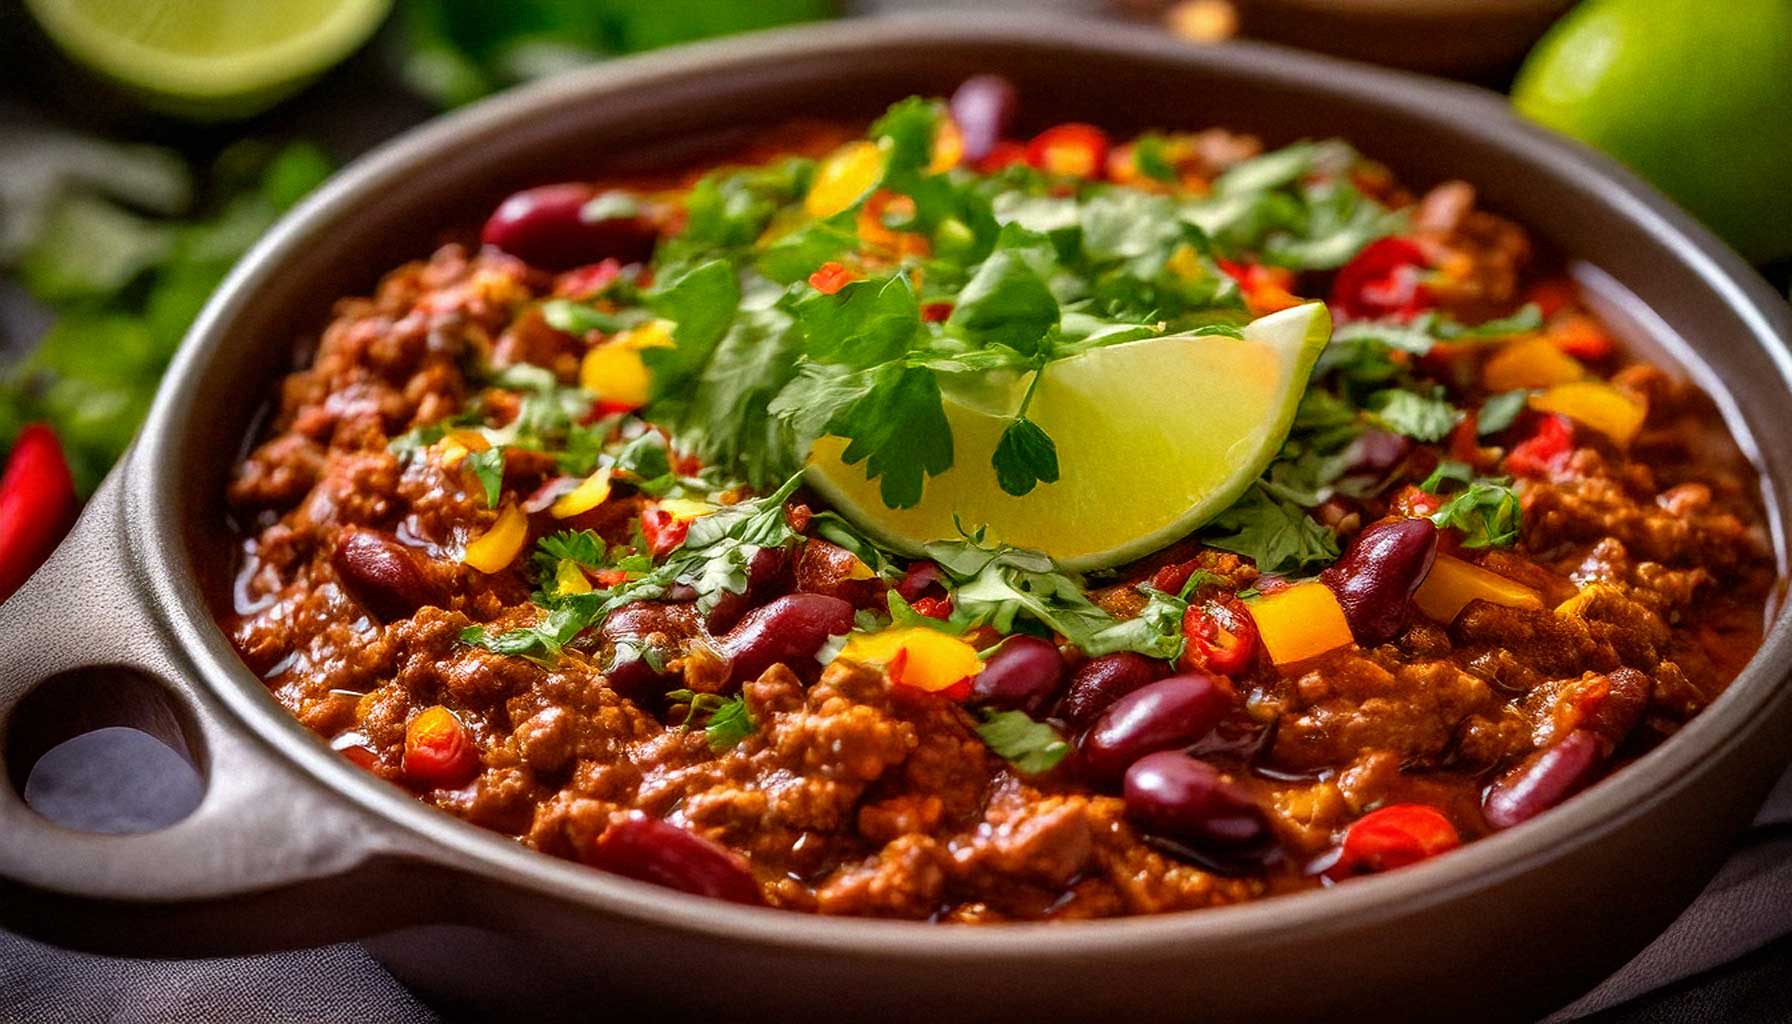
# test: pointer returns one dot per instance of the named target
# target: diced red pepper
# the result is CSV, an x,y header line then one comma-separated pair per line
x,y
1171,578
1580,337
831,277
1386,279
1074,149
1546,451
353,746
1465,439
1006,153
1393,837
936,312
586,281
1550,295
663,530
1413,503
933,607
608,578
1219,636
37,505
438,752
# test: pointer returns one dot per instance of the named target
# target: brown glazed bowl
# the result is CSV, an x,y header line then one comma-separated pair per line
x,y
292,845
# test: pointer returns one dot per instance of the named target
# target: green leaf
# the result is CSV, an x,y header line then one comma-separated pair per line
x,y
994,586
1446,471
1499,412
1024,457
864,324
488,469
1276,535
898,429
1420,417
578,318
1149,156
1005,303
906,131
701,303
1488,514
293,172
728,422
1033,748
1155,632
91,249
729,718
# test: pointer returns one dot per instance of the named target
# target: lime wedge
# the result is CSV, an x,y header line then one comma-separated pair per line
x,y
209,58
1154,438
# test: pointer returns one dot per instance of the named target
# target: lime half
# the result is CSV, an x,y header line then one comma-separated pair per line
x,y
209,58
1154,438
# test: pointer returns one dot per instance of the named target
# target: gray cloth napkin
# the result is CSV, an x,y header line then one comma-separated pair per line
x,y
122,780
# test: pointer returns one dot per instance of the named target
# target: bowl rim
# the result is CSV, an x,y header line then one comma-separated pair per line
x,y
152,521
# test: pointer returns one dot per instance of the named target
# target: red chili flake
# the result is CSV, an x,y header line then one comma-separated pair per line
x,y
831,277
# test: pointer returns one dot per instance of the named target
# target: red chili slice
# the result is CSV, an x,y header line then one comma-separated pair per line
x,y
1219,636
1393,837
1546,451
1385,279
437,749
663,530
1077,150
933,607
37,505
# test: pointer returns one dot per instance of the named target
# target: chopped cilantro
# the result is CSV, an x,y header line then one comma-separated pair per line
x,y
1487,512
1033,748
488,469
1420,417
1024,457
1275,534
729,720
1499,412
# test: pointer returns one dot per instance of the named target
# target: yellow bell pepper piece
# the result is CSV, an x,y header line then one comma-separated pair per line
x,y
570,579
614,370
846,176
1597,405
1301,622
1532,363
916,656
497,547
1453,583
593,491
456,445
948,148
685,508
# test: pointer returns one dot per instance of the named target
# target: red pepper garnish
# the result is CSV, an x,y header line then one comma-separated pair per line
x,y
437,750
1550,295
936,312
608,578
1465,439
37,505
1075,150
586,281
353,746
1005,153
1413,503
933,607
1393,837
663,530
1219,636
1580,337
1546,451
1385,279
831,277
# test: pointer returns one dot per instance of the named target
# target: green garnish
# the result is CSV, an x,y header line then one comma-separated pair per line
x,y
728,719
1033,748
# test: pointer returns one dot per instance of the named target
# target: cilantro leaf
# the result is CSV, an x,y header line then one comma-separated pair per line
x,y
1024,457
1007,303
1487,512
994,586
1420,417
729,718
866,323
898,429
906,131
488,469
1499,412
577,318
1156,631
1275,534
1033,748
1447,470
701,303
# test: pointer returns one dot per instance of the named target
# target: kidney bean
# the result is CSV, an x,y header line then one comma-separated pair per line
x,y
1182,798
633,631
983,107
1101,681
546,227
825,568
1375,579
1023,674
920,579
788,630
1544,780
1612,720
381,573
1375,452
650,850
1173,712
767,577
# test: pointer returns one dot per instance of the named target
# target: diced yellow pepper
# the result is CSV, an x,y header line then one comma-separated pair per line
x,y
1595,404
846,176
614,370
497,547
948,147
685,508
916,656
1453,583
1532,363
456,445
570,579
593,491
1301,622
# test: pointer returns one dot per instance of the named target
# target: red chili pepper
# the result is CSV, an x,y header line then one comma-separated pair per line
x,y
1546,451
1005,153
37,505
1393,837
1385,279
663,530
1465,439
1220,636
831,277
1171,578
607,578
1077,150
437,750
933,607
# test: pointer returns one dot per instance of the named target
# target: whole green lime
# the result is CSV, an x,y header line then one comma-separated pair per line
x,y
1694,96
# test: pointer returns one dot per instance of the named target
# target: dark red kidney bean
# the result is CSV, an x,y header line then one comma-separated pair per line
x,y
635,629
650,850
788,630
983,107
382,574
1375,452
767,577
826,568
1173,712
1543,780
1182,798
920,579
1375,579
1023,675
546,227
1612,721
1101,681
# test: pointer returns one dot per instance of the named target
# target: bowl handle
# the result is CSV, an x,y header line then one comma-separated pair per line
x,y
268,859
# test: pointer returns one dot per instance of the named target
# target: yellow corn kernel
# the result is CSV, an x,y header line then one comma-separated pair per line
x,y
593,491
570,579
1453,583
1532,363
497,547
916,656
1301,622
846,176
1595,404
